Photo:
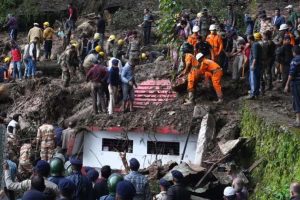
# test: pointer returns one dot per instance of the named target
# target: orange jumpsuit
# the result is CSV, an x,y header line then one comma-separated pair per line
x,y
194,73
216,43
293,42
212,70
193,39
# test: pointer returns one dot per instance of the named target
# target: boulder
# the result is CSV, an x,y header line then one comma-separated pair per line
x,y
206,134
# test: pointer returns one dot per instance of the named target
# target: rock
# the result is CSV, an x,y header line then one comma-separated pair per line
x,y
230,131
200,111
185,169
206,134
159,59
87,27
228,146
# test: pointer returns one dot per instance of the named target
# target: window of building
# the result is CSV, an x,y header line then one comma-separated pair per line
x,y
117,145
163,148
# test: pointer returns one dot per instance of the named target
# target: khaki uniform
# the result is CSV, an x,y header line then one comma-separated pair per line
x,y
46,136
26,184
134,49
24,161
33,33
68,62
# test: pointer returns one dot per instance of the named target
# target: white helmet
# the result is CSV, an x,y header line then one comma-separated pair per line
x,y
199,14
283,27
229,191
213,27
199,56
196,29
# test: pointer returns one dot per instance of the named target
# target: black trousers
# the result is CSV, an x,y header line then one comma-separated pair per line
x,y
48,48
147,34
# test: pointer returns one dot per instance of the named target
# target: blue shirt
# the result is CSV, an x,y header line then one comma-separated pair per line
x,y
295,69
83,186
141,185
114,76
250,25
127,73
256,54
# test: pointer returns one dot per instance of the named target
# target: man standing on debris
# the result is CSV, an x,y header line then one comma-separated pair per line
x,y
215,42
294,82
278,19
35,32
34,55
68,139
128,81
101,28
12,25
255,65
295,191
110,45
147,24
69,61
292,17
98,76
113,84
91,59
16,60
191,69
73,15
139,181
134,47
285,56
178,190
83,185
211,70
46,138
193,39
48,38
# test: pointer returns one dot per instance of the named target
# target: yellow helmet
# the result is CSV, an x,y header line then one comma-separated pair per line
x,y
98,48
7,59
120,42
257,36
46,24
101,53
97,36
144,56
111,38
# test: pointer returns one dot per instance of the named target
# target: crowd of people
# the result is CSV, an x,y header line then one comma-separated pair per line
x,y
204,49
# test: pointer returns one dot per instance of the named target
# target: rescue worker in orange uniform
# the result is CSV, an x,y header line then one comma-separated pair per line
x,y
211,70
191,69
193,39
215,42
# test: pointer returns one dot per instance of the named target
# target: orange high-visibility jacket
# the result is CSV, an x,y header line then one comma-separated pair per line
x,y
191,60
209,66
216,43
193,39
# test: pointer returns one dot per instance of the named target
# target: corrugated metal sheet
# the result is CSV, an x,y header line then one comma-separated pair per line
x,y
153,92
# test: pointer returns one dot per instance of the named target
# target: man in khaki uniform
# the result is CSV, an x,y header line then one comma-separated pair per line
x,y
46,137
68,139
69,61
25,165
35,32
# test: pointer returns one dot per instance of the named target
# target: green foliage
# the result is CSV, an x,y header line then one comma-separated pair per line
x,y
281,150
6,6
168,10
